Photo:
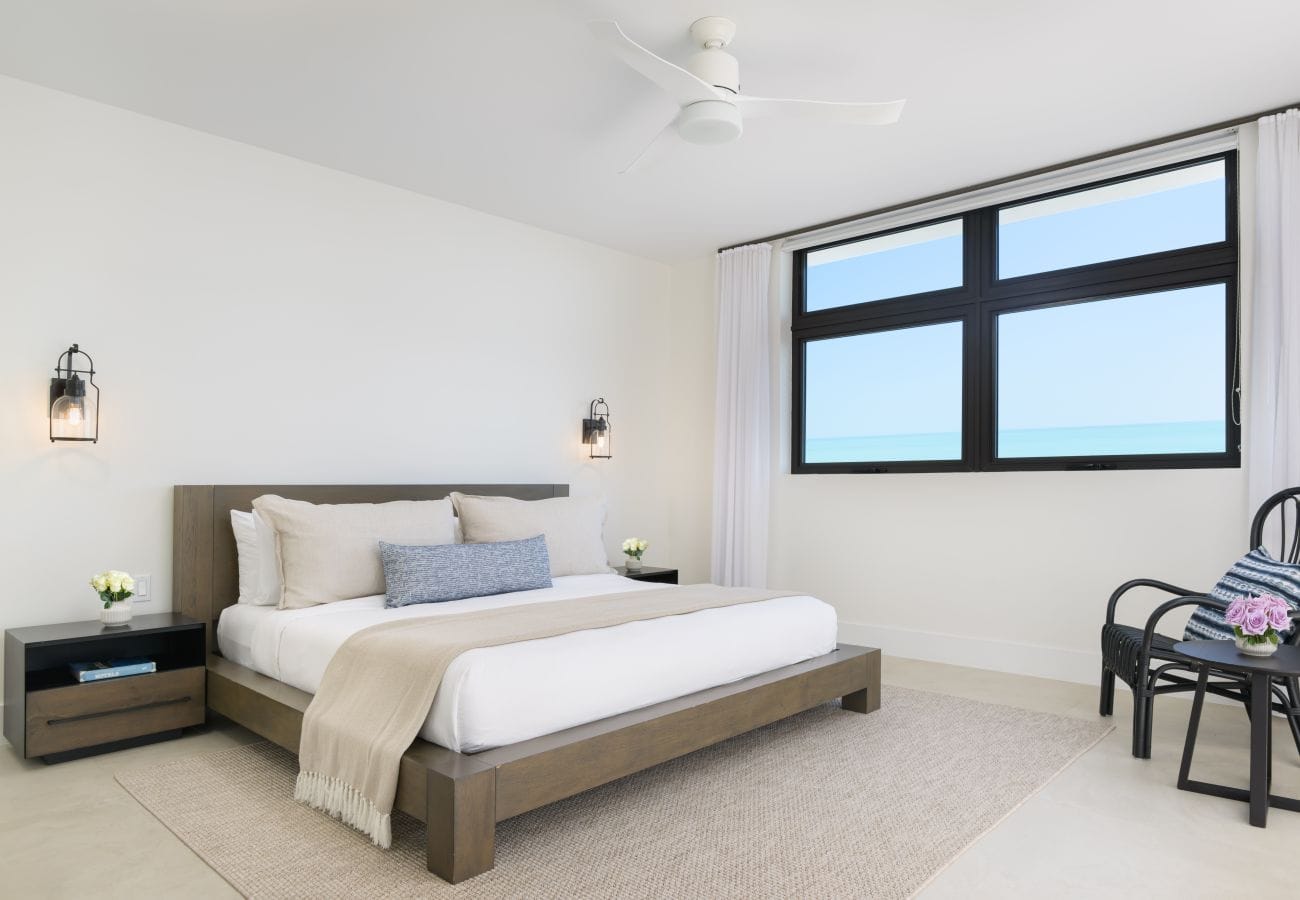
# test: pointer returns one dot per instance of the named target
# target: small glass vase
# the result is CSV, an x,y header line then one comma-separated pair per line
x,y
117,613
1264,648
633,564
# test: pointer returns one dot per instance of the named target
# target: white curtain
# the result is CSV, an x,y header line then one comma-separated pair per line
x,y
1273,423
742,451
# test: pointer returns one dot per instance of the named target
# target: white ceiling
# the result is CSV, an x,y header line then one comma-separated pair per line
x,y
509,107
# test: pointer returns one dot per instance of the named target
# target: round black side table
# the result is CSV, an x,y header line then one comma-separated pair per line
x,y
1261,670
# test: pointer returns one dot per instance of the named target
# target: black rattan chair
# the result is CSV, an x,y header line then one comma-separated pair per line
x,y
1145,660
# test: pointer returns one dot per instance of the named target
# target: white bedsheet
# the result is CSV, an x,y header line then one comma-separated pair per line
x,y
493,696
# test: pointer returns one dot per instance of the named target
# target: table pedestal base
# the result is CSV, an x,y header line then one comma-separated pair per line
x,y
1261,752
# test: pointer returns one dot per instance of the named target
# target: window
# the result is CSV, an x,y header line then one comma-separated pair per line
x,y
1130,375
1178,208
852,416
912,261
1090,328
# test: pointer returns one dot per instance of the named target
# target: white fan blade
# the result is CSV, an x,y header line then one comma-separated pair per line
x,y
684,87
653,150
846,113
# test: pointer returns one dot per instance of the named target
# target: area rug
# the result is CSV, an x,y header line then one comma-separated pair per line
x,y
825,804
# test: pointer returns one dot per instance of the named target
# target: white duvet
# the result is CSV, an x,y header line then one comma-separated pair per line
x,y
495,696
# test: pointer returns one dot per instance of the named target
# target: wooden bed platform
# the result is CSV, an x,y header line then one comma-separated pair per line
x,y
460,797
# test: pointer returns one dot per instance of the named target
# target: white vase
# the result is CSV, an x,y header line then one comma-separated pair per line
x,y
118,613
1267,648
633,564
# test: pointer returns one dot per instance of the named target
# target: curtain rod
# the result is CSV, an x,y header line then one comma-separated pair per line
x,y
998,182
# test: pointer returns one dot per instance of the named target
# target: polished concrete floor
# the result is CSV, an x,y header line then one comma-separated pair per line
x,y
1108,826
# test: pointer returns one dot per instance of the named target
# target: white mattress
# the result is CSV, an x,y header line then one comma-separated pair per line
x,y
495,696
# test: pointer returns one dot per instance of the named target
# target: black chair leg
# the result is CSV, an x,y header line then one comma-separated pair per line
x,y
1141,714
1149,721
1107,691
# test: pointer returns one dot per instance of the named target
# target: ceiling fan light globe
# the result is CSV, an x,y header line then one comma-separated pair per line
x,y
710,122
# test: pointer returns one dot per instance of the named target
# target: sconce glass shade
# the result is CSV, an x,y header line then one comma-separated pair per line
x,y
597,430
70,420
74,412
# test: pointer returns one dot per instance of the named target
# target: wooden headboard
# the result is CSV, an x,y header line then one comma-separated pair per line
x,y
205,568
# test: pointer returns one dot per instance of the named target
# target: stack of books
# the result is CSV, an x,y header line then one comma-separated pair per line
x,y
113,668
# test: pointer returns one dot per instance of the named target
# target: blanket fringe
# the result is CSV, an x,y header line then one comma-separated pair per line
x,y
345,803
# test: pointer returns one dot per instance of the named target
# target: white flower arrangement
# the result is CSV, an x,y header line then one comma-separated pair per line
x,y
113,586
634,547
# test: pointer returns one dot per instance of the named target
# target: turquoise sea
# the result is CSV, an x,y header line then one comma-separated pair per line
x,y
1018,443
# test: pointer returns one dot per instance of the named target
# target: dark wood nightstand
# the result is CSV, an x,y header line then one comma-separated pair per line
x,y
650,573
50,715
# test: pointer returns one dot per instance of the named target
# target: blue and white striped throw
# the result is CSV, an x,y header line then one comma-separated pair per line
x,y
1254,574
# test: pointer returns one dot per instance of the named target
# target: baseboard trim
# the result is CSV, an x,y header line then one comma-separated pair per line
x,y
1037,660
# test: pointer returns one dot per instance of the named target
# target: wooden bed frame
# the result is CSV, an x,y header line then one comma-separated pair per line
x,y
461,796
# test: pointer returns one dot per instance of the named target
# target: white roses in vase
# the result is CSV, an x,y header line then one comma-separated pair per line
x,y
634,547
113,586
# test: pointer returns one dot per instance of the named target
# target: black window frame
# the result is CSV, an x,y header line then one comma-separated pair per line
x,y
983,296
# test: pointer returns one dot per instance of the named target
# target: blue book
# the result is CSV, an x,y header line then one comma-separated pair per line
x,y
114,668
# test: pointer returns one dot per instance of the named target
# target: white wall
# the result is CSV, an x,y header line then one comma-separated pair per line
x,y
258,319
689,477
1005,570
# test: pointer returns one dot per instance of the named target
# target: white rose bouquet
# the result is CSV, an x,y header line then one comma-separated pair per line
x,y
113,586
634,547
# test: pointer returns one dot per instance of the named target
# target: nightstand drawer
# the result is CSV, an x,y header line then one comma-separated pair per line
x,y
83,715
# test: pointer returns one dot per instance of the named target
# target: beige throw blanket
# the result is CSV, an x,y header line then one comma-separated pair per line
x,y
380,685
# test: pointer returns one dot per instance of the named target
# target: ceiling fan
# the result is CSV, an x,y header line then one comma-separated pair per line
x,y
708,90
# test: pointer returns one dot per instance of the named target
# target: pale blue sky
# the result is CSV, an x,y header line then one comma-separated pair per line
x,y
906,381
1129,361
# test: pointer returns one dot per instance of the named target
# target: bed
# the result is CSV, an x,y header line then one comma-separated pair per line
x,y
510,729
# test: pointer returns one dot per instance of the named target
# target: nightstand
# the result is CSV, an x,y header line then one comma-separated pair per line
x,y
650,573
49,714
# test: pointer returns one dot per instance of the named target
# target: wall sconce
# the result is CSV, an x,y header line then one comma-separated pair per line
x,y
74,415
596,430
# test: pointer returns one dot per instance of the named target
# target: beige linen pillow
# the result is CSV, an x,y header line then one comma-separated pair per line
x,y
573,527
330,551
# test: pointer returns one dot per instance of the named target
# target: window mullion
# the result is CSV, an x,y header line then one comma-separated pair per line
x,y
984,253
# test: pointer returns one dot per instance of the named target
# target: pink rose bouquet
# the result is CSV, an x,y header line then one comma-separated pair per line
x,y
1257,620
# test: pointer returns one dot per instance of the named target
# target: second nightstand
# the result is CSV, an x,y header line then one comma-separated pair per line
x,y
650,573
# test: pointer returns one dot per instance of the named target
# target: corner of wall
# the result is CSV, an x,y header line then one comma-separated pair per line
x,y
692,356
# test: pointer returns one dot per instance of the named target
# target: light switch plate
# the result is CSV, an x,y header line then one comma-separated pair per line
x,y
141,594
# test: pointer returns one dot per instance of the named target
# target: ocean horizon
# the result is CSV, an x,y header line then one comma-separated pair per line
x,y
1021,443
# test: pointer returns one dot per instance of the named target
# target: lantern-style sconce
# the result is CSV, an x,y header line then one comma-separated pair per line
x,y
596,430
74,413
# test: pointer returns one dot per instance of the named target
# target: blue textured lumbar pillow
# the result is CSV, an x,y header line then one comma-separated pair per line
x,y
1254,574
442,572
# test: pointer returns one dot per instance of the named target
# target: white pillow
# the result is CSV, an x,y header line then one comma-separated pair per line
x,y
250,569
330,551
573,527
259,570
270,583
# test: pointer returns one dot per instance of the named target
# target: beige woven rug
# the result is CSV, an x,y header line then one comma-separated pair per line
x,y
826,804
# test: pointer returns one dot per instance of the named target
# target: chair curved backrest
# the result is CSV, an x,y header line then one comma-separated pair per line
x,y
1286,505
1286,525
